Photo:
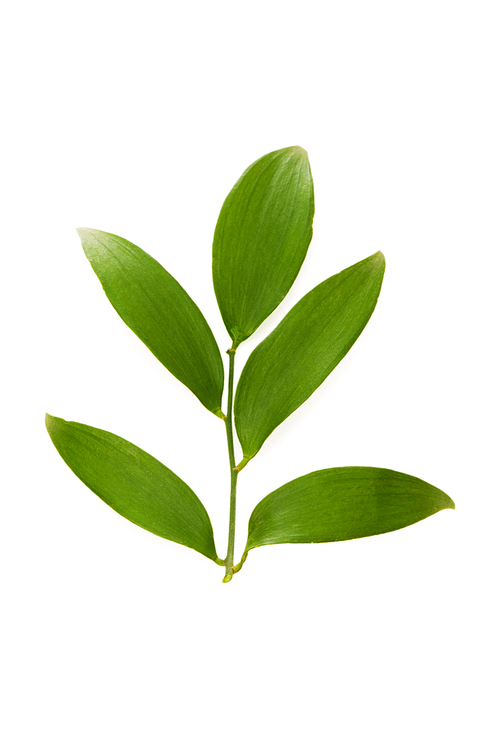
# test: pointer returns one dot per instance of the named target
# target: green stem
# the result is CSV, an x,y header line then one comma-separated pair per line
x,y
229,561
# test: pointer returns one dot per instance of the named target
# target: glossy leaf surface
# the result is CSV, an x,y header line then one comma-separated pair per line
x,y
134,484
160,312
261,238
342,503
291,363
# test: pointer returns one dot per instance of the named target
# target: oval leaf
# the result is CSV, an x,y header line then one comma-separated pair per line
x,y
160,312
261,239
134,484
342,503
286,368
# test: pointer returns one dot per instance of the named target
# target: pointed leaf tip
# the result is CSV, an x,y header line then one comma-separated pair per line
x,y
299,151
85,232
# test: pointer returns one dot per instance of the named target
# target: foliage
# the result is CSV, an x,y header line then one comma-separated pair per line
x,y
260,241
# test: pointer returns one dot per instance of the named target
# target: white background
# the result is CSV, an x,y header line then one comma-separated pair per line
x,y
137,119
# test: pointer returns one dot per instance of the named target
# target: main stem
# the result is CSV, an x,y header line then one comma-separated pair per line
x,y
229,561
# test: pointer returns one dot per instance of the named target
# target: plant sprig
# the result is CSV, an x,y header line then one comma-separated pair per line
x,y
260,242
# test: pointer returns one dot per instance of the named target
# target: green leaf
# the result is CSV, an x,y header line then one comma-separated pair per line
x,y
160,312
342,503
261,239
286,368
134,484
